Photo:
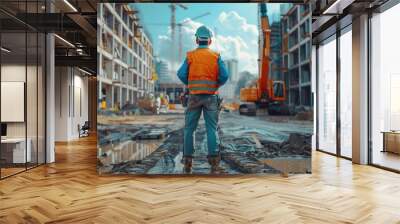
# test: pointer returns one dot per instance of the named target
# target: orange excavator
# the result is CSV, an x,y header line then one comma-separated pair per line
x,y
265,93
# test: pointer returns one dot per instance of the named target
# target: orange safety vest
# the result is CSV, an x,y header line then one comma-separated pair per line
x,y
203,71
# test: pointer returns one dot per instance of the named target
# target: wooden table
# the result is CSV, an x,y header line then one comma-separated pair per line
x,y
13,150
391,141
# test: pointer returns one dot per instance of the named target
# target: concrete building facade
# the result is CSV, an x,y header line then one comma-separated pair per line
x,y
125,56
163,73
276,51
233,70
296,51
228,90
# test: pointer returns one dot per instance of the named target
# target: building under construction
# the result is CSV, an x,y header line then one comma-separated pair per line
x,y
296,47
227,91
276,51
125,56
167,83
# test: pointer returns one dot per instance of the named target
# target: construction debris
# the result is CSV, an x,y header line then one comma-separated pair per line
x,y
112,134
169,149
147,104
247,145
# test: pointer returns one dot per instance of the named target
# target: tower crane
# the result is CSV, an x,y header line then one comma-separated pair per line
x,y
173,7
180,35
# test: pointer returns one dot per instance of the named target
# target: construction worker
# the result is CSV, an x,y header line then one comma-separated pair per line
x,y
103,103
158,104
104,99
203,71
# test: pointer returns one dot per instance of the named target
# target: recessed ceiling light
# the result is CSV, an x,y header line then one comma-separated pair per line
x,y
64,40
5,50
337,7
70,5
84,71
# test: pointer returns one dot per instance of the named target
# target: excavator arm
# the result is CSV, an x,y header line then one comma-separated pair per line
x,y
267,92
265,33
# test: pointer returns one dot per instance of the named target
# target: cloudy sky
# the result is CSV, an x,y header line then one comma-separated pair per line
x,y
234,27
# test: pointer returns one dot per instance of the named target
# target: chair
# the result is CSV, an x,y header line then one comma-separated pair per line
x,y
84,130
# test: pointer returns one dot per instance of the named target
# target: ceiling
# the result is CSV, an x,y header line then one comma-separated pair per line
x,y
72,20
330,15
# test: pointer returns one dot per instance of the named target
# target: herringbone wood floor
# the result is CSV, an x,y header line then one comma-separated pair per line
x,y
70,191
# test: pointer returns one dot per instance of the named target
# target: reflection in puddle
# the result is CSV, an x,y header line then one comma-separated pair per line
x,y
252,146
126,151
200,166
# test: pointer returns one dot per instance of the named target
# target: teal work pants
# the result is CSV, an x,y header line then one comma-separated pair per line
x,y
208,104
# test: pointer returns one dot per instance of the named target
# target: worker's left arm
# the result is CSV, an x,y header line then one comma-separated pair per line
x,y
223,73
183,72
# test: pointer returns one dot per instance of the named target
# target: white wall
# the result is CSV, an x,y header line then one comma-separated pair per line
x,y
71,103
80,111
12,73
16,73
61,103
33,127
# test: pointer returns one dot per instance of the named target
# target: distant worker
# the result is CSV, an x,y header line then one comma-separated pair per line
x,y
103,103
167,99
164,103
158,104
203,71
103,99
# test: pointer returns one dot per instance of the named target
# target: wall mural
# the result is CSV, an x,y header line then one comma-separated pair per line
x,y
193,89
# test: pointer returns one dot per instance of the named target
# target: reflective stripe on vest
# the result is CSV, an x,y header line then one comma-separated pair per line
x,y
203,71
203,86
206,82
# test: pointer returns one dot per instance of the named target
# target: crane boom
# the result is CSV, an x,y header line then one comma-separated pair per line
x,y
180,25
265,33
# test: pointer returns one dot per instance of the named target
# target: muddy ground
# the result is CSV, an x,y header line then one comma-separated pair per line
x,y
152,144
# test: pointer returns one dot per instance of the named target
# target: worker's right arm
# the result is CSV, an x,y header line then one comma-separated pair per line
x,y
183,72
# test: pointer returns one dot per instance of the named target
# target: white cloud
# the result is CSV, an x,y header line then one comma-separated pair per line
x,y
232,21
241,42
236,39
235,47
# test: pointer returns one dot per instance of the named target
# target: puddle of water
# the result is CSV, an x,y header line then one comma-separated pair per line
x,y
200,164
126,151
168,165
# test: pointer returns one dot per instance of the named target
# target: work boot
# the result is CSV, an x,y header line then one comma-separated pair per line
x,y
214,163
187,164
